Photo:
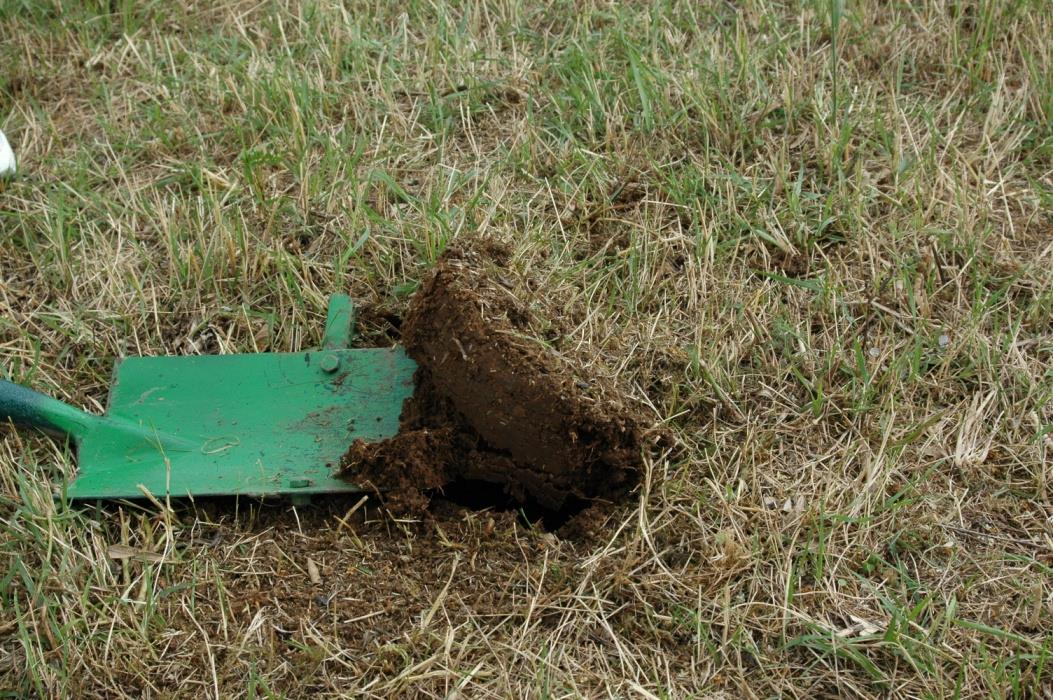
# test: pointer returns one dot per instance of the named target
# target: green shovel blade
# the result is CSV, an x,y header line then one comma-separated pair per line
x,y
241,424
264,424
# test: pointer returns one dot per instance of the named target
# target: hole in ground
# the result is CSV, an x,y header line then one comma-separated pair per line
x,y
482,495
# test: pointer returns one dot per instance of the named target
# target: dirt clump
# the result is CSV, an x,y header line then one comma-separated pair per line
x,y
494,405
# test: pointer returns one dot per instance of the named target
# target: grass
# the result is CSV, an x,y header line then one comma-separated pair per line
x,y
814,236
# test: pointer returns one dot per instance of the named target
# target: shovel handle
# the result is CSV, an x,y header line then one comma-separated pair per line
x,y
31,409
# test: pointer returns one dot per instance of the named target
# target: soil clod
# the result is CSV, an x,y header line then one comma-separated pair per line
x,y
492,405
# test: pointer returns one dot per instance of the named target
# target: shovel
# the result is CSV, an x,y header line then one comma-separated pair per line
x,y
254,424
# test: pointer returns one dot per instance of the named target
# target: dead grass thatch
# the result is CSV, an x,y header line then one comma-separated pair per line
x,y
814,237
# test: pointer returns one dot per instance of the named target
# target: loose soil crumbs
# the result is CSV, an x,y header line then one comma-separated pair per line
x,y
493,405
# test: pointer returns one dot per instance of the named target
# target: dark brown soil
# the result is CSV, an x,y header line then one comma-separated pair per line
x,y
494,405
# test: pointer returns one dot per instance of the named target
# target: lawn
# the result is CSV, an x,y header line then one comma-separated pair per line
x,y
814,240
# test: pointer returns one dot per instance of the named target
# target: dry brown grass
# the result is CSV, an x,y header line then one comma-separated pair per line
x,y
817,243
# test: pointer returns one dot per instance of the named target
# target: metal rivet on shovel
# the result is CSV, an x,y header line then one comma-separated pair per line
x,y
330,363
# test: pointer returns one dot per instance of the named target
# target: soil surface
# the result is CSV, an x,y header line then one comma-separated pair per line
x,y
494,405
389,593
